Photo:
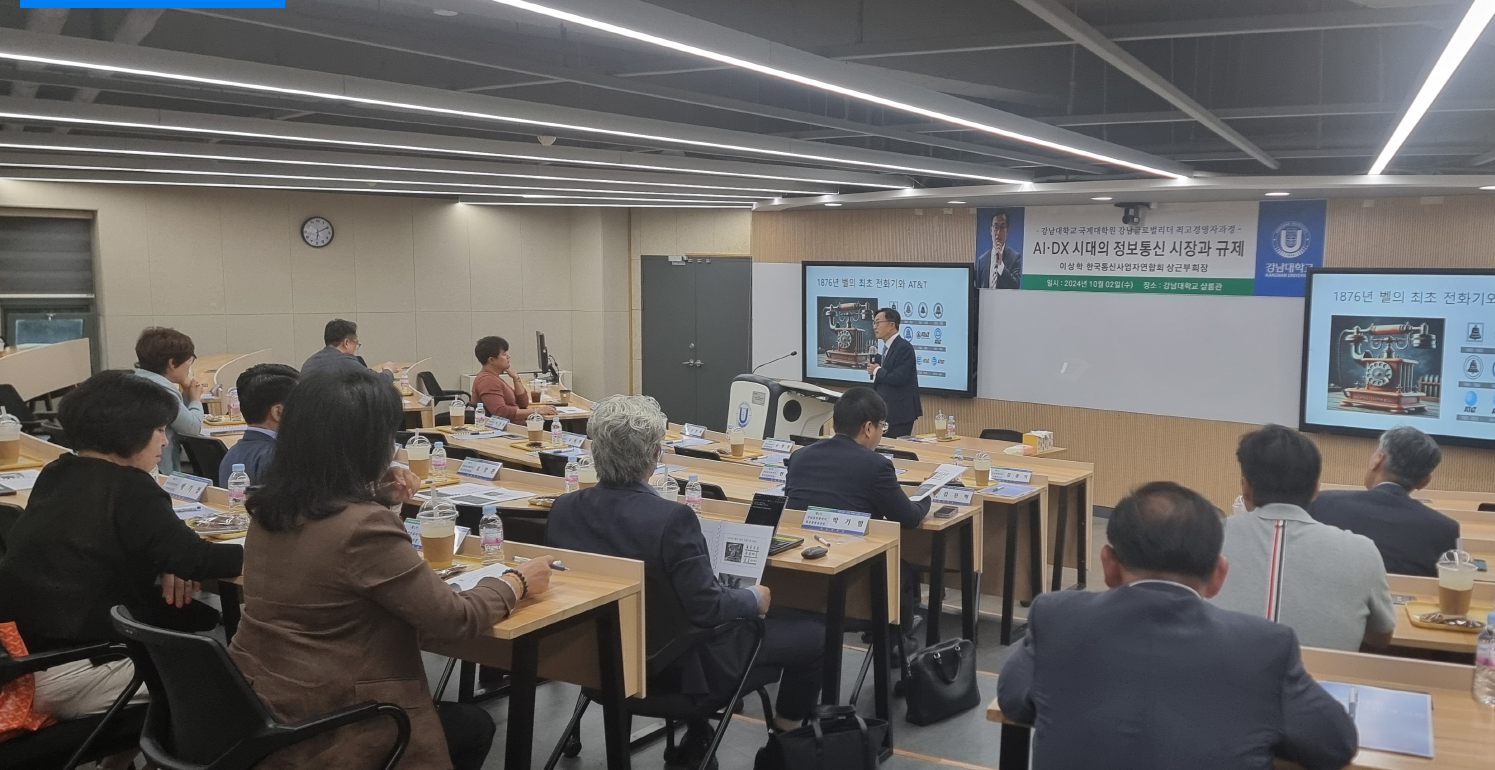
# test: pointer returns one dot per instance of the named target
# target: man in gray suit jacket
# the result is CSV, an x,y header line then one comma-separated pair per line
x,y
1150,675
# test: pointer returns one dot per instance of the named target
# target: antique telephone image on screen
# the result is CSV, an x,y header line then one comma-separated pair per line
x,y
1386,365
845,335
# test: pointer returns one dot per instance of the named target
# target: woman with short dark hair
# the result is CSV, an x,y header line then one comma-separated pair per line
x,y
164,356
99,531
347,627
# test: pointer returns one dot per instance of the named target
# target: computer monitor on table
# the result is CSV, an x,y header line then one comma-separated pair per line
x,y
545,364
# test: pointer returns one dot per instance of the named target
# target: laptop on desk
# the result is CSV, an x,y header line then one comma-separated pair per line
x,y
765,511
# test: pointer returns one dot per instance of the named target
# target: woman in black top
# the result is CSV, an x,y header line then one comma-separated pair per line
x,y
99,531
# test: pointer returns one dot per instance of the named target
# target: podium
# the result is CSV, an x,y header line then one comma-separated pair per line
x,y
769,408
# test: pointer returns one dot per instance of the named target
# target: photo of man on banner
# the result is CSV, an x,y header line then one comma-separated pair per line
x,y
999,243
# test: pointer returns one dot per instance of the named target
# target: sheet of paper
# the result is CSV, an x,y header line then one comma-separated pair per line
x,y
570,410
772,458
475,434
1398,721
667,469
688,441
469,579
491,496
19,480
739,552
942,475
186,511
1007,490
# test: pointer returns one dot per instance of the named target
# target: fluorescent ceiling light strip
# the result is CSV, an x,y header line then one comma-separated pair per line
x,y
414,148
600,205
380,167
385,103
824,85
1464,38
304,178
162,183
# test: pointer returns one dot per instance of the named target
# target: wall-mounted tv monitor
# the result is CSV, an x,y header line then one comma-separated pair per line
x,y
937,302
1389,347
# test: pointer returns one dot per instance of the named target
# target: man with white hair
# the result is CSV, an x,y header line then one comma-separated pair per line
x,y
623,516
1409,535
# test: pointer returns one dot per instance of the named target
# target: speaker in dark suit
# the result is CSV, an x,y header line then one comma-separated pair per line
x,y
896,376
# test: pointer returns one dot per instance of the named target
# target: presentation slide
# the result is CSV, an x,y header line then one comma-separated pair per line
x,y
937,304
1381,346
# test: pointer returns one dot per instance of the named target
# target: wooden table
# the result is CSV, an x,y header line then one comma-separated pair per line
x,y
37,371
969,445
1463,731
1426,590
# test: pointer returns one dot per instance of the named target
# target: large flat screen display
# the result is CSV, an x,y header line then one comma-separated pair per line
x,y
1392,347
937,303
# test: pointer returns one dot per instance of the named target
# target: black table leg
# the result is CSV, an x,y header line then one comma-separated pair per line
x,y
1009,574
970,588
615,719
1060,531
880,620
1035,547
1013,754
1082,530
936,586
228,596
523,677
835,622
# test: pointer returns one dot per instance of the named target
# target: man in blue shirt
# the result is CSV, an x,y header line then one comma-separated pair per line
x,y
263,389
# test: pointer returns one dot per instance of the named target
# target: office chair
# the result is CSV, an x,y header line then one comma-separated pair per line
x,y
1002,434
553,463
204,716
76,741
898,454
30,422
1487,507
433,388
803,440
699,454
669,635
709,491
206,455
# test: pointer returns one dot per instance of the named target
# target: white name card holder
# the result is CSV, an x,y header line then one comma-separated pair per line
x,y
486,470
186,487
693,431
774,473
955,495
574,440
497,423
1011,475
832,520
778,445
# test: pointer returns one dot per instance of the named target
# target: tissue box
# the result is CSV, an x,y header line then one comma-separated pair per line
x,y
1040,440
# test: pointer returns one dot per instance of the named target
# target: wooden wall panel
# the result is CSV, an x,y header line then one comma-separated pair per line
x,y
1129,449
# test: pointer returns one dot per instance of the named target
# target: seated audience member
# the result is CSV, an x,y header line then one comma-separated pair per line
x,y
1150,675
263,389
341,353
1409,535
336,598
623,516
846,472
164,356
99,531
1329,585
490,390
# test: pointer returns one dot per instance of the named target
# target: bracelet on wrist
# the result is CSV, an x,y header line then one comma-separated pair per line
x,y
524,584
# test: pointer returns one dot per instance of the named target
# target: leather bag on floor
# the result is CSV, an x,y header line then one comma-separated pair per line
x,y
942,681
836,738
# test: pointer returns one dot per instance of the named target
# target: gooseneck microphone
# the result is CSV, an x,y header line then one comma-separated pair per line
x,y
790,354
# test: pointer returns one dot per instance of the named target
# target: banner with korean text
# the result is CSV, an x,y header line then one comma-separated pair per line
x,y
1240,248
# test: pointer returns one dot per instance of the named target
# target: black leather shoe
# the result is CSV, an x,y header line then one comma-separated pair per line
x,y
688,755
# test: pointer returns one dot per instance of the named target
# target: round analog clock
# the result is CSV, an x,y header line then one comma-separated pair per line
x,y
317,232
1378,373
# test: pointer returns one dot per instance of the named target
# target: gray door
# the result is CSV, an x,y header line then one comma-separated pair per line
x,y
697,333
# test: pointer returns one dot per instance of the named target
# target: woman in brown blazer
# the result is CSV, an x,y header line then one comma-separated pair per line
x,y
336,599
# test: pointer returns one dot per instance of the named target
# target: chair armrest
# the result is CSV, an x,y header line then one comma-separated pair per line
x,y
308,728
13,668
697,637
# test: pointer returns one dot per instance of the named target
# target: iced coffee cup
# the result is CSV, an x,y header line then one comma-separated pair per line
x,y
1455,583
535,424
418,456
10,438
438,536
737,440
457,412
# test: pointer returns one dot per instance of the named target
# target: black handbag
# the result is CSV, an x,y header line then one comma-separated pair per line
x,y
837,738
942,681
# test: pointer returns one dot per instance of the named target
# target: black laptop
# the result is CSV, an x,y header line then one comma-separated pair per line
x,y
765,511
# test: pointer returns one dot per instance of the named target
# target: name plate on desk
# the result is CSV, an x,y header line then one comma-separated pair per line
x,y
574,440
955,495
1013,475
778,445
774,473
497,423
479,469
186,487
693,431
832,520
426,400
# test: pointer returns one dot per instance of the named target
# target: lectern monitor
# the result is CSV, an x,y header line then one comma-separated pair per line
x,y
1390,347
937,302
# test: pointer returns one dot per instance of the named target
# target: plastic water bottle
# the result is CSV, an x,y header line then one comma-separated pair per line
x,y
960,458
693,493
491,529
233,404
404,381
573,475
438,461
479,415
1484,663
238,482
950,427
557,436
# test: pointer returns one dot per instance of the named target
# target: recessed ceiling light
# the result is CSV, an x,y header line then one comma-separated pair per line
x,y
443,12
957,203
1278,194
1101,198
832,204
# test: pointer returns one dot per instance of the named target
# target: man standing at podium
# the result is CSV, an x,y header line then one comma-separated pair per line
x,y
896,378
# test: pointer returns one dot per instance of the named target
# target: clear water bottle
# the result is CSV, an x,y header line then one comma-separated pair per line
x,y
573,475
438,461
557,436
960,458
233,404
491,529
404,381
664,486
479,415
238,483
1484,663
693,493
950,427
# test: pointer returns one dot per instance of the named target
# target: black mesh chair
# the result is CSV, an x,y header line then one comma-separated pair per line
x,y
898,454
206,455
204,716
433,388
669,635
803,440
553,463
699,454
523,523
709,491
75,741
31,422
1002,434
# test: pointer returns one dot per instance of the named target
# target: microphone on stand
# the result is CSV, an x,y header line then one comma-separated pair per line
x,y
790,354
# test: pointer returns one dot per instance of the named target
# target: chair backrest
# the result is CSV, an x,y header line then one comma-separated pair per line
x,y
553,464
428,383
800,440
898,454
1002,434
712,492
9,515
403,436
458,454
14,404
685,451
206,454
521,525
201,706
1487,507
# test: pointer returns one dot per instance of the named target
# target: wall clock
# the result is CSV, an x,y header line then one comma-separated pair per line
x,y
317,232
